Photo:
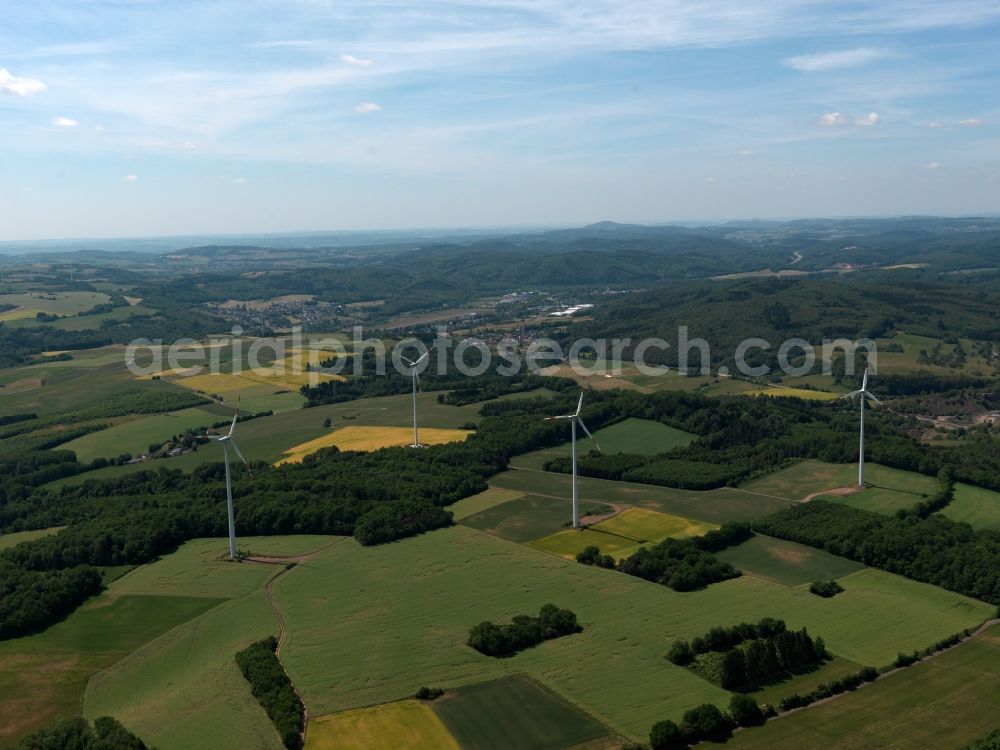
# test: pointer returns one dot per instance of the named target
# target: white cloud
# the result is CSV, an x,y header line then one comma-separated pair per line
x,y
972,122
19,85
848,58
64,122
352,60
934,125
745,152
934,165
188,146
130,178
239,180
831,119
366,107
868,120
709,179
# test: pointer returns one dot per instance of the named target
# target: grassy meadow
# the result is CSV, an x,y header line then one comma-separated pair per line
x,y
784,562
978,507
947,702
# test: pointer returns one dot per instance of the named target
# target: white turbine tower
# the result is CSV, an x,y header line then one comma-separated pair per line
x,y
861,394
574,421
416,380
227,440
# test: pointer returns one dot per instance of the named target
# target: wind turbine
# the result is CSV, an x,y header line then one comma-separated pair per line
x,y
227,440
861,395
416,380
574,421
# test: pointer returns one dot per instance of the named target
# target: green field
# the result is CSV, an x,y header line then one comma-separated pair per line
x,y
403,724
787,563
891,488
184,690
470,506
945,703
525,518
642,436
43,677
360,632
52,303
622,534
978,507
11,540
514,712
715,506
135,435
906,361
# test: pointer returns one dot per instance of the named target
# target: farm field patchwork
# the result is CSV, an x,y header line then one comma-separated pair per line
x,y
135,435
359,633
43,677
976,506
404,724
368,438
714,506
784,562
947,702
622,534
269,438
52,303
514,712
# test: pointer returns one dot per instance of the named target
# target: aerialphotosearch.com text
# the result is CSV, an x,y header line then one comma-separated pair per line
x,y
357,354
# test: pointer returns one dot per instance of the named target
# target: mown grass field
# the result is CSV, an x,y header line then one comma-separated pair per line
x,y
361,633
792,392
405,724
908,360
514,712
135,435
12,540
787,563
623,534
978,507
945,703
368,438
891,488
43,677
715,506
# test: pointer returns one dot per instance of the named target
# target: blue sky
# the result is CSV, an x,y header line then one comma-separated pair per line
x,y
139,117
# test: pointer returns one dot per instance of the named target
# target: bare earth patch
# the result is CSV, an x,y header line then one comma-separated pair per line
x,y
835,492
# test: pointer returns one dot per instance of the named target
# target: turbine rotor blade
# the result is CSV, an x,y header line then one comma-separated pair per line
x,y
874,398
407,362
423,356
596,444
236,417
579,405
864,380
245,463
563,416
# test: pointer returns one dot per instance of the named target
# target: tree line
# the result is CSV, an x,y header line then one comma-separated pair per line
x,y
524,631
77,734
273,690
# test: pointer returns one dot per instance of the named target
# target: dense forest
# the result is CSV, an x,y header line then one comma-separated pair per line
x,y
77,734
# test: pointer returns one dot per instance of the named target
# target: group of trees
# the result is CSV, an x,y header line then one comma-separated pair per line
x,y
78,734
523,632
748,654
826,589
30,599
273,690
934,549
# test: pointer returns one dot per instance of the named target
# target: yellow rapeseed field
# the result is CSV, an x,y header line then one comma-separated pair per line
x,y
363,438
